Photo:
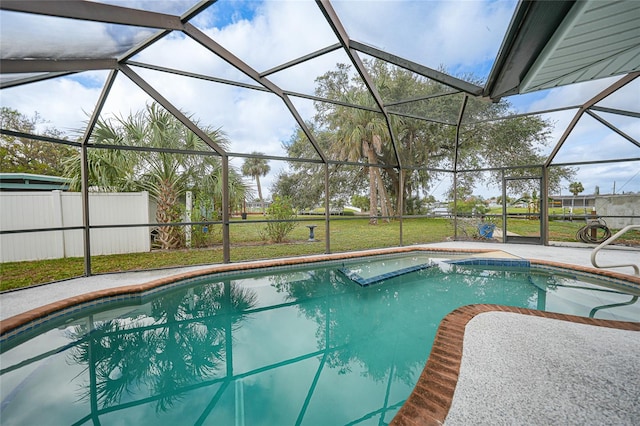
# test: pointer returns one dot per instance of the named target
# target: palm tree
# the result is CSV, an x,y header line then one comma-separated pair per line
x,y
360,135
575,188
110,170
256,167
160,170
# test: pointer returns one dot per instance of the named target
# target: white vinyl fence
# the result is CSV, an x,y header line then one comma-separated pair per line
x,y
33,210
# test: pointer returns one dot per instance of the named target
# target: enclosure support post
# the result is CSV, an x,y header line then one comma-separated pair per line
x,y
84,170
327,221
226,252
504,208
86,232
400,200
544,206
455,168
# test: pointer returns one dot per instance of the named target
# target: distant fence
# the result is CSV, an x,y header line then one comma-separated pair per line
x,y
23,211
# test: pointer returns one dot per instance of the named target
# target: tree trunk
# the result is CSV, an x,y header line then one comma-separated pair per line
x,y
260,193
169,237
385,205
373,198
373,193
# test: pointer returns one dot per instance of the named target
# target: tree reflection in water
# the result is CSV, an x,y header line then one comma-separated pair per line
x,y
376,337
359,322
181,342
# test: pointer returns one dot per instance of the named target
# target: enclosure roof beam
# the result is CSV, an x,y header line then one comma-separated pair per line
x,y
211,45
20,66
334,22
421,98
42,138
246,85
106,89
33,78
196,9
417,117
93,11
155,37
615,111
440,77
583,163
526,114
301,59
171,108
614,128
591,102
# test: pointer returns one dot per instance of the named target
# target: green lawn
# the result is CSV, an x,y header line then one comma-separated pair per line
x,y
347,234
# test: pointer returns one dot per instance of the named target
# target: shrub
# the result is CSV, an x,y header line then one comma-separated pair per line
x,y
204,235
280,209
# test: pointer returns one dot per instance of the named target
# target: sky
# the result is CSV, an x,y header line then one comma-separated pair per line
x,y
463,36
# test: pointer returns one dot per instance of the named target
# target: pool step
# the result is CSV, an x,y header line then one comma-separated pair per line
x,y
364,282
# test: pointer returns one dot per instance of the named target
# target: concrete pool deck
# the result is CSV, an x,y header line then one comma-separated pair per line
x,y
478,371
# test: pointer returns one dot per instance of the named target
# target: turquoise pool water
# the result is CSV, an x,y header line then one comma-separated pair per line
x,y
299,346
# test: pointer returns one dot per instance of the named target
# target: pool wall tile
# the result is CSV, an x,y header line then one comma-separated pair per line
x,y
503,263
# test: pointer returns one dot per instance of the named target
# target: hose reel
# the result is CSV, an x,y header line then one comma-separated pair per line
x,y
589,233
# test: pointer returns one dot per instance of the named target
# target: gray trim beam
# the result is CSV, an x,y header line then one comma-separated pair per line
x,y
544,206
430,73
214,47
327,212
171,108
532,26
18,66
330,101
106,89
152,149
93,11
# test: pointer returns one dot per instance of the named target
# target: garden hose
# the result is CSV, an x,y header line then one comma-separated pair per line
x,y
584,234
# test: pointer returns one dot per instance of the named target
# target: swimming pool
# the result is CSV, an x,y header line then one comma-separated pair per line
x,y
298,345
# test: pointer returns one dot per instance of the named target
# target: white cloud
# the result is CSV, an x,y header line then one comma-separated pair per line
x,y
458,34
463,35
62,103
